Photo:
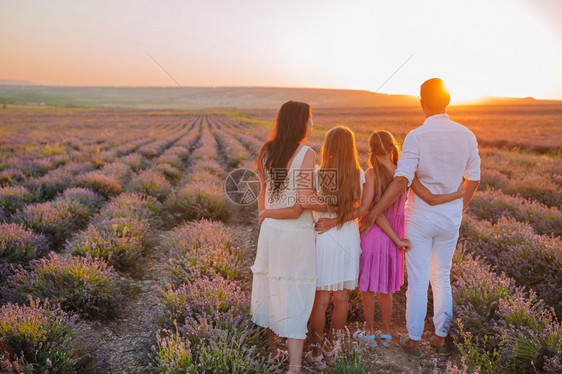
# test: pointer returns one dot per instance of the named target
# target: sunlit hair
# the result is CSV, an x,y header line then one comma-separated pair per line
x,y
288,132
434,94
340,153
382,143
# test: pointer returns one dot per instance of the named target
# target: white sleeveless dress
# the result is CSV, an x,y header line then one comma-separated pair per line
x,y
338,252
284,282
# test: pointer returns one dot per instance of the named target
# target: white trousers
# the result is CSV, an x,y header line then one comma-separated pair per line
x,y
429,260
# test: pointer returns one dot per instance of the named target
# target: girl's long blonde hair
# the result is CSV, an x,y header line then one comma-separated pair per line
x,y
339,154
382,143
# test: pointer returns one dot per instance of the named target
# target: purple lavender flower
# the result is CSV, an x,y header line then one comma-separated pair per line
x,y
18,243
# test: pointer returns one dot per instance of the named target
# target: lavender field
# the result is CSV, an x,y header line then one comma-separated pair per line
x,y
121,253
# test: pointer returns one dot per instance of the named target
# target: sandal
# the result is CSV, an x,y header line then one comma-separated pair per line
x,y
299,367
417,353
443,350
361,336
384,338
316,362
331,356
279,356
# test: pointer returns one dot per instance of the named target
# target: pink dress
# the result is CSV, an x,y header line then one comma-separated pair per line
x,y
382,263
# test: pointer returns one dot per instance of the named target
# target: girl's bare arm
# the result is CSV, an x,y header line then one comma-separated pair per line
x,y
433,199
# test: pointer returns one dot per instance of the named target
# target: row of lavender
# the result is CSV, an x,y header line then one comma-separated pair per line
x,y
79,195
85,282
513,245
35,176
47,164
499,326
81,168
202,322
201,196
57,218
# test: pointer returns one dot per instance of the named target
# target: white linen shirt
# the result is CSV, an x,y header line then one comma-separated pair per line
x,y
440,153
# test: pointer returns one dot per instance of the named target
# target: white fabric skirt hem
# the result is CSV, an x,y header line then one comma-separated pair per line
x,y
302,280
282,304
278,333
345,285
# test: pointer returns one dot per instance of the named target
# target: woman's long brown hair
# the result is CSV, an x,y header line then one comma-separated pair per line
x,y
289,131
382,143
339,153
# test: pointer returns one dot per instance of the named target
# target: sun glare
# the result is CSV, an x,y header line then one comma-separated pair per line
x,y
494,48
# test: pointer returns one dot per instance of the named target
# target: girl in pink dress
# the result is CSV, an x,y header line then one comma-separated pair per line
x,y
383,246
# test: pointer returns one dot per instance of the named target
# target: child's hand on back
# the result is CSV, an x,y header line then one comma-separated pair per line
x,y
325,224
403,244
365,224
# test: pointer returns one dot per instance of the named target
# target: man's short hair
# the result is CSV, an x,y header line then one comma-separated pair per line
x,y
435,94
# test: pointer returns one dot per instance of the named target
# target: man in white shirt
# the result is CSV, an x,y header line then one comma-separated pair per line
x,y
440,153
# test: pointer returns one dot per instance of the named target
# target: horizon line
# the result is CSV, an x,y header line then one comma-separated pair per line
x,y
21,83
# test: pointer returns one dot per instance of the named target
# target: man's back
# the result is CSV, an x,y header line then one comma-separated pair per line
x,y
440,153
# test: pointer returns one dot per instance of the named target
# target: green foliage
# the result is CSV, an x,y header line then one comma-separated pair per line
x,y
47,339
14,198
82,285
52,149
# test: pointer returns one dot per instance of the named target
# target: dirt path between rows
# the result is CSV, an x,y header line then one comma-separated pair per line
x,y
125,338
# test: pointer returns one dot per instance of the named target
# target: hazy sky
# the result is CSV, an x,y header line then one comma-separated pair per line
x,y
480,47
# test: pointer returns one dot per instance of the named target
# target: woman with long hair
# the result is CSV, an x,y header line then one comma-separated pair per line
x,y
284,271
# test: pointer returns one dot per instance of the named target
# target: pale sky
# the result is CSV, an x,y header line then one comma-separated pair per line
x,y
480,47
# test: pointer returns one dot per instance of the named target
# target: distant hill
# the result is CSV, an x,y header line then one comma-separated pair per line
x,y
5,82
490,100
194,97
208,97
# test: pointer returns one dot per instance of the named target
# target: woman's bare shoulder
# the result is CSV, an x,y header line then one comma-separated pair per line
x,y
310,152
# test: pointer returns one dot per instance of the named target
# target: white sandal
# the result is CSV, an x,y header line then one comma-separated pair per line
x,y
331,356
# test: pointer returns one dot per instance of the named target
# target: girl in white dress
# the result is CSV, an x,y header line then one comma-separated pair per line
x,y
338,247
284,272
339,185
